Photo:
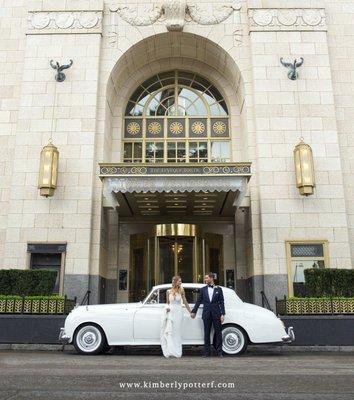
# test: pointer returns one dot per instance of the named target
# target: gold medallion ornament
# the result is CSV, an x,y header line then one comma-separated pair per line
x,y
133,128
176,128
154,128
219,127
198,128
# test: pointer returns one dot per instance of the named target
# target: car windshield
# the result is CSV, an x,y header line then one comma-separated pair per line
x,y
151,298
158,296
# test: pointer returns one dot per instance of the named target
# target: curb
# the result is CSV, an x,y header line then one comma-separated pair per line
x,y
192,349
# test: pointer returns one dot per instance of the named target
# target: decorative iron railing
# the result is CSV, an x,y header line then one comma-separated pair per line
x,y
25,305
312,306
265,302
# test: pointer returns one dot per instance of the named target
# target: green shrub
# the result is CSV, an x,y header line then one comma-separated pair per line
x,y
329,282
27,282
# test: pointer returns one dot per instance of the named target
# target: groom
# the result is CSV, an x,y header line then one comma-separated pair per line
x,y
213,312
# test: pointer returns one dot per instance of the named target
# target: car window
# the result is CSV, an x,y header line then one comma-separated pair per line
x,y
159,296
152,299
191,295
162,296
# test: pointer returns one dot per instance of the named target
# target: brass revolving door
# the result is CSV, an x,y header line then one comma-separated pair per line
x,y
168,250
177,252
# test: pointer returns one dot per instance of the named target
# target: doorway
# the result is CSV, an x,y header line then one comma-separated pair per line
x,y
176,257
172,249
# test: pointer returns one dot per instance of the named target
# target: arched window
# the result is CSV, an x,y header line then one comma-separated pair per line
x,y
175,117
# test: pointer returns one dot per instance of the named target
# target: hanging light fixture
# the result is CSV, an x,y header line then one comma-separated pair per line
x,y
48,170
304,168
49,158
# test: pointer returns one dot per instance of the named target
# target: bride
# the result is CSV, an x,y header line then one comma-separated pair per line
x,y
171,330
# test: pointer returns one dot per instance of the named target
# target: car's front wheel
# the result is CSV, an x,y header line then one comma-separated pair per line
x,y
234,340
89,339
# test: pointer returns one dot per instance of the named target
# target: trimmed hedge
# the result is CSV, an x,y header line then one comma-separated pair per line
x,y
329,282
27,282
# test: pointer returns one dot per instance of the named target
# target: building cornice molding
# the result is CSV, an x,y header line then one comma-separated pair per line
x,y
287,19
56,22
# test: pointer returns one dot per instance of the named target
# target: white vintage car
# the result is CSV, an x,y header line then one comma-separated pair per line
x,y
93,329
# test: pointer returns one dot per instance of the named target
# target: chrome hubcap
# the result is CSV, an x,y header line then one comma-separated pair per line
x,y
233,340
89,338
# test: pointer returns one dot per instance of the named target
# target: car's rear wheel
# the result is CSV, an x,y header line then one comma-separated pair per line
x,y
234,340
89,339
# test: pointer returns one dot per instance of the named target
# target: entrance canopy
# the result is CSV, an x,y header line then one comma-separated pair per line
x,y
202,189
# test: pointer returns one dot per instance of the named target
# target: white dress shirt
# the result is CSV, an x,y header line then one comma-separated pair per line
x,y
210,292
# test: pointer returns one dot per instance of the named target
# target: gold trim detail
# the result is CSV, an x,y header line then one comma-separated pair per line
x,y
219,127
133,128
175,230
198,127
176,128
154,128
172,169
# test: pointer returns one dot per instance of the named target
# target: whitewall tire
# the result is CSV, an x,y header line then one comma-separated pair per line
x,y
234,340
89,339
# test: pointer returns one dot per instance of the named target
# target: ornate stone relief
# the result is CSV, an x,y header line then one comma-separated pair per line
x,y
215,15
131,14
238,37
295,19
175,13
64,21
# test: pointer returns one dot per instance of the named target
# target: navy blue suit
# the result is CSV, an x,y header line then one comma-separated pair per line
x,y
212,311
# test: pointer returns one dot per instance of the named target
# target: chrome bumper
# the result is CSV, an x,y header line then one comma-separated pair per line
x,y
290,337
63,337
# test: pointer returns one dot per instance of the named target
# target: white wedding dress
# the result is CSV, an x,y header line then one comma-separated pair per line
x,y
171,329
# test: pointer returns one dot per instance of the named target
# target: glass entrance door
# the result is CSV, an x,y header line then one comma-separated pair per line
x,y
172,249
176,257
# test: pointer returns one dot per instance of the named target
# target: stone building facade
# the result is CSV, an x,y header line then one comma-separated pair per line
x,y
140,195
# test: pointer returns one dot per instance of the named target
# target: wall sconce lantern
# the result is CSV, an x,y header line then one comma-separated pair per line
x,y
48,170
304,168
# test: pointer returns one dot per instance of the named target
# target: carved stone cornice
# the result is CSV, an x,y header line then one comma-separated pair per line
x,y
287,19
174,13
64,22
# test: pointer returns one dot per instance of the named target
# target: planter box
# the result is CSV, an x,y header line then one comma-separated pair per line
x,y
321,330
330,330
30,329
314,306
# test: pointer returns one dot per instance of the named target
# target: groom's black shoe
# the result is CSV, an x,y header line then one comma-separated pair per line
x,y
220,355
206,355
